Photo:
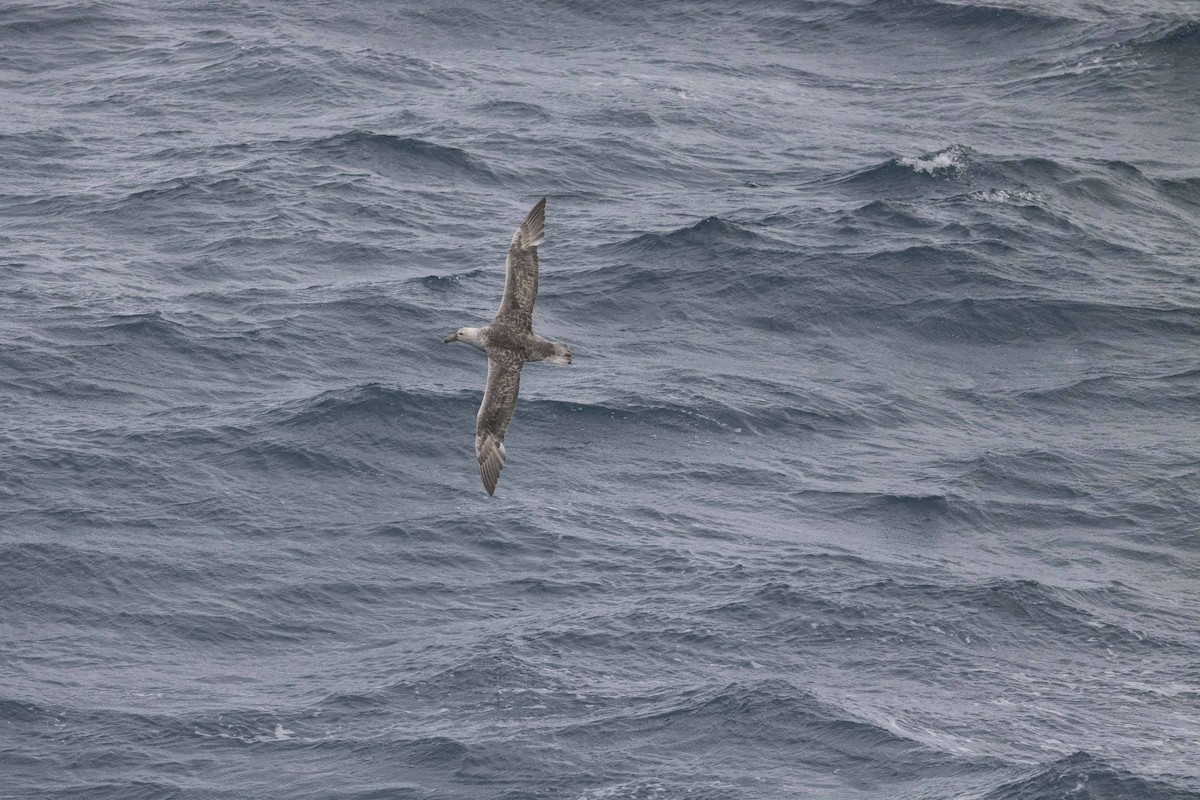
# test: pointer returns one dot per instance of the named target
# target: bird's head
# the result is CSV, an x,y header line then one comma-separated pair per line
x,y
472,336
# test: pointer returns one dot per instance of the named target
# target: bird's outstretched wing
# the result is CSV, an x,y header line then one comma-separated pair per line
x,y
521,267
496,411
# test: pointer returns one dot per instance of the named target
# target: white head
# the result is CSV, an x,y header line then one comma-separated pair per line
x,y
469,335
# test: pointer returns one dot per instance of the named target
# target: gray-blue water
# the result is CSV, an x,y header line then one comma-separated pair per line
x,y
877,474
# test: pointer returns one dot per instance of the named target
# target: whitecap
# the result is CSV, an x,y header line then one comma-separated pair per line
x,y
949,160
1005,196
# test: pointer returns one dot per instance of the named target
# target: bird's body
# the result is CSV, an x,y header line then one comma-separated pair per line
x,y
510,342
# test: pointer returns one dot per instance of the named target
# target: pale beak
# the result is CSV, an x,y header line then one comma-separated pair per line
x,y
452,337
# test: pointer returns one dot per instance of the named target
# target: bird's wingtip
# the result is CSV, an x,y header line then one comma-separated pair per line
x,y
533,229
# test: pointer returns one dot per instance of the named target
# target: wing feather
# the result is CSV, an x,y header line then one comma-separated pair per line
x,y
496,411
521,267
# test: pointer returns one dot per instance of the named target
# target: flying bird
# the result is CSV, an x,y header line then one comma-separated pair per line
x,y
509,342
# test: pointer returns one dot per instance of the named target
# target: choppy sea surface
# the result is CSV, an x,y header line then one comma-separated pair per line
x,y
877,474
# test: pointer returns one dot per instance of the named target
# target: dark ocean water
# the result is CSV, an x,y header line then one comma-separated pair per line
x,y
877,474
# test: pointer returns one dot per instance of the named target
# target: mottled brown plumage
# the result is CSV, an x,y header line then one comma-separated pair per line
x,y
509,342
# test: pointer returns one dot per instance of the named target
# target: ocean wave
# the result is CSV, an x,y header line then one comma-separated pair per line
x,y
595,163
219,627
927,511
212,200
1030,474
700,412
967,24
959,172
512,109
18,150
259,71
959,17
201,187
369,402
893,214
1021,611
46,206
23,711
943,163
490,670
940,171
1004,616
394,156
389,67
978,281
958,169
266,456
767,603
122,789
665,276
1148,393
1122,71
1120,179
1015,196
22,20
619,118
1186,190
1178,39
953,159
197,340
149,323
30,567
1085,776
767,714
706,233
1014,319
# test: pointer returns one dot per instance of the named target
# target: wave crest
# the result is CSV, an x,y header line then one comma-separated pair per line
x,y
1083,775
707,232
959,17
389,154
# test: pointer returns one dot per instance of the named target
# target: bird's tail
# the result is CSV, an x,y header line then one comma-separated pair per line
x,y
561,353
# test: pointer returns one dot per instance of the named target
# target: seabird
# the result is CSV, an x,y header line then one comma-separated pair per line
x,y
509,342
